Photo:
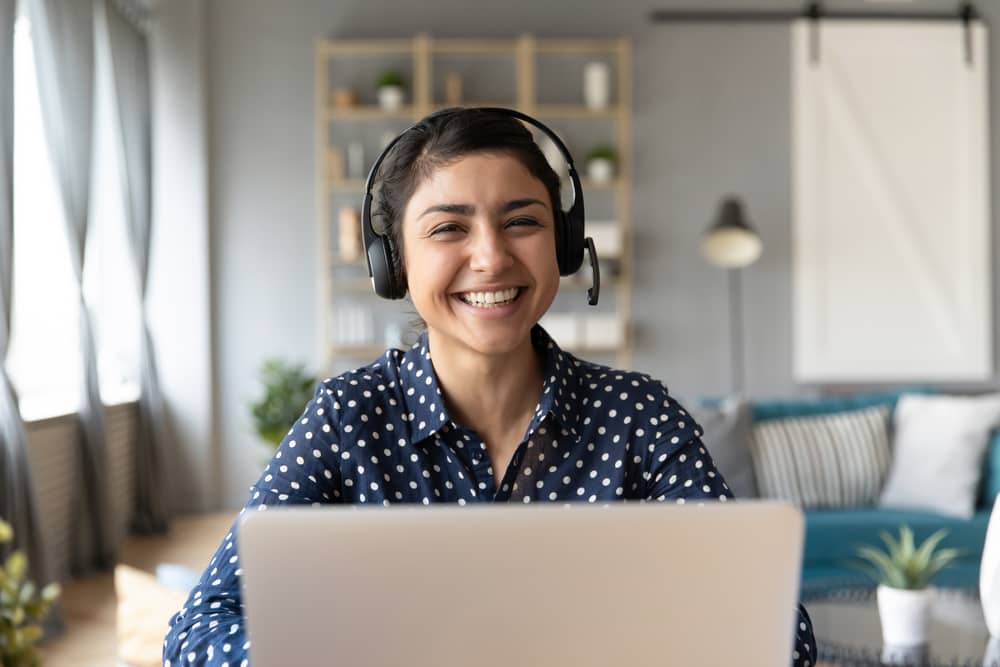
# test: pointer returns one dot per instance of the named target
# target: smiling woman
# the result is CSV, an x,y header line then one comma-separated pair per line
x,y
485,407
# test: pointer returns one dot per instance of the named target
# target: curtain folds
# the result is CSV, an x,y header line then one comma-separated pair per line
x,y
63,38
130,70
18,503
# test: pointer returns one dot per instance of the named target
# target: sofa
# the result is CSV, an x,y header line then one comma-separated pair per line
x,y
832,535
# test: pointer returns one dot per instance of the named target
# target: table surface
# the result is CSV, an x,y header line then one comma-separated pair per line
x,y
848,630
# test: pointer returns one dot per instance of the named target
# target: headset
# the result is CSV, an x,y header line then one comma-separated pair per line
x,y
384,266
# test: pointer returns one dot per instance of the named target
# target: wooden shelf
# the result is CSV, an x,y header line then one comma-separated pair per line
x,y
574,111
369,113
426,55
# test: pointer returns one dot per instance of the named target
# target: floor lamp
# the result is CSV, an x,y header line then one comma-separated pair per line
x,y
731,243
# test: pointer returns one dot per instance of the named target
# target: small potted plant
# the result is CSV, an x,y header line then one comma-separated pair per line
x,y
390,87
23,608
287,390
903,572
601,162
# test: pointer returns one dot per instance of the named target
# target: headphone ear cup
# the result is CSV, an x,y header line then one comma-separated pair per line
x,y
397,282
560,219
569,236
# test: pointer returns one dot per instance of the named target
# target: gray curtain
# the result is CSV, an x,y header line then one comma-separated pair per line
x,y
17,496
130,70
63,36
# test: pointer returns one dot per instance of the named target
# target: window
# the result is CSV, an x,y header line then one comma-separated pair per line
x,y
44,356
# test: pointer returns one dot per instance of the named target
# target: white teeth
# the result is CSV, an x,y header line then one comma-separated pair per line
x,y
490,299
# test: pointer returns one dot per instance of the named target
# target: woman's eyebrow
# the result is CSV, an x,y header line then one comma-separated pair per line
x,y
468,209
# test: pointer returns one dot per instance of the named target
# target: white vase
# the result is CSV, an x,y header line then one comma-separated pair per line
x,y
600,170
904,615
989,573
596,85
390,98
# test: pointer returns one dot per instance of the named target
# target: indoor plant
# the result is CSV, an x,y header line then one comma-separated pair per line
x,y
287,390
390,88
601,161
903,572
22,608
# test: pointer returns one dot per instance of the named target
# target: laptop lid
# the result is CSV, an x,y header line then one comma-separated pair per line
x,y
496,586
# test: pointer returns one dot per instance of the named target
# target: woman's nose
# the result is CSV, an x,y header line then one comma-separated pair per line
x,y
490,252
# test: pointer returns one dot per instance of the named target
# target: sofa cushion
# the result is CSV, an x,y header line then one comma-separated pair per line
x,y
939,446
834,460
726,434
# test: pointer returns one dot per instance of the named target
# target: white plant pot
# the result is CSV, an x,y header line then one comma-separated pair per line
x,y
989,574
904,615
390,98
600,170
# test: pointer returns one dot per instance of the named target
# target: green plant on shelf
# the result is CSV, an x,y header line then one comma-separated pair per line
x,y
903,564
287,390
603,152
390,78
23,608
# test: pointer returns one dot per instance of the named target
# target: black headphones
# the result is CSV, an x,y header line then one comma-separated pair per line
x,y
383,259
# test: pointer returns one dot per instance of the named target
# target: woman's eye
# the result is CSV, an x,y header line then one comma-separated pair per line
x,y
523,222
445,229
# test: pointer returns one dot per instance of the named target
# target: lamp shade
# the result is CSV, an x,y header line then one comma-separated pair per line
x,y
731,243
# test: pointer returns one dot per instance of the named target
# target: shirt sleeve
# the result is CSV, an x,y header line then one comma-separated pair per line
x,y
681,469
210,629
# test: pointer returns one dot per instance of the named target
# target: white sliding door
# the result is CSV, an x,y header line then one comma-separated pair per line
x,y
891,222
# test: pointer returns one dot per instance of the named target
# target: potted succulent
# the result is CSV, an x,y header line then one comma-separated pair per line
x,y
601,162
390,87
23,608
287,390
903,572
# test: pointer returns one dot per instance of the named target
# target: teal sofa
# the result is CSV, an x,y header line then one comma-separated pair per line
x,y
833,535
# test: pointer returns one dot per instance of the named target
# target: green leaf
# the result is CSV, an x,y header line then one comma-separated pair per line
x,y
892,543
906,547
17,564
6,532
51,592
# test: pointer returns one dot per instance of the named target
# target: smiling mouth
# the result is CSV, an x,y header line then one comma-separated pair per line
x,y
491,299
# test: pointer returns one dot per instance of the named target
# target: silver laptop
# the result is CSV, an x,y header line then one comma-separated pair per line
x,y
498,586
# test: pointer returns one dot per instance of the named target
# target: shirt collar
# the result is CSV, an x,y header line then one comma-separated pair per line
x,y
561,395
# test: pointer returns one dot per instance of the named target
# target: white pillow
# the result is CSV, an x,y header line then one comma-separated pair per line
x,y
938,449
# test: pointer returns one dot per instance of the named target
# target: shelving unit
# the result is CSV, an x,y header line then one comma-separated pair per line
x,y
351,63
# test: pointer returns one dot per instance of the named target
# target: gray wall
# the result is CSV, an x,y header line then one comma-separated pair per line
x,y
711,118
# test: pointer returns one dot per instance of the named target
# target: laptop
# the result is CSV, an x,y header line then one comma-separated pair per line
x,y
575,585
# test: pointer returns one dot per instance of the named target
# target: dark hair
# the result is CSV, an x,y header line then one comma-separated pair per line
x,y
440,139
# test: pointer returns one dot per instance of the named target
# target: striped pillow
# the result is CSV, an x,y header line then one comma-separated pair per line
x,y
837,460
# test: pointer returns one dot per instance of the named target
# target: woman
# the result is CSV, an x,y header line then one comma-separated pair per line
x,y
485,407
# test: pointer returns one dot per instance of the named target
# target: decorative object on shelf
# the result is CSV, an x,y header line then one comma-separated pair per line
x,y
391,89
602,332
287,390
23,608
989,576
903,572
601,163
344,98
597,85
732,244
453,89
349,237
353,325
356,160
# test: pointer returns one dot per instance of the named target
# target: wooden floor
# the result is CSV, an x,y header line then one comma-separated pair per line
x,y
89,603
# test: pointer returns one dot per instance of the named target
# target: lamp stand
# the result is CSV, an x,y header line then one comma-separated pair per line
x,y
736,330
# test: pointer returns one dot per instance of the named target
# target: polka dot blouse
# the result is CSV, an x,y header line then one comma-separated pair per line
x,y
382,434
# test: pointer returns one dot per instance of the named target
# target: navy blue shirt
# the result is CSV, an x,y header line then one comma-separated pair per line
x,y
382,434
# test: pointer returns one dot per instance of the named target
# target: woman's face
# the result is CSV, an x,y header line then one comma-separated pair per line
x,y
479,251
